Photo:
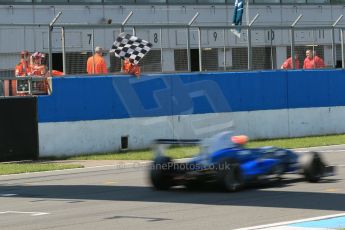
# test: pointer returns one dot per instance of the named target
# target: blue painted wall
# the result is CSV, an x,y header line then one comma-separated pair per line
x,y
77,98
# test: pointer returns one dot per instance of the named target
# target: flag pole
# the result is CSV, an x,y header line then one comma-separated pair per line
x,y
247,12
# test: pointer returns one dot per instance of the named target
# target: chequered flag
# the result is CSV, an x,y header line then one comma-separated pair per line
x,y
130,47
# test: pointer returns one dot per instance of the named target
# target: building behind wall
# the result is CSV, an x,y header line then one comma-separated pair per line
x,y
270,47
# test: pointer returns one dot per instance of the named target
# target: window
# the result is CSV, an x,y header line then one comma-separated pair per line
x,y
211,1
294,1
85,1
266,1
181,1
338,1
150,1
76,62
180,56
318,1
51,1
209,59
13,1
151,62
120,1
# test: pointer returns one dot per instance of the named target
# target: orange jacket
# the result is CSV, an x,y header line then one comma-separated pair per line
x,y
315,62
319,63
130,68
22,68
288,64
57,73
308,63
100,65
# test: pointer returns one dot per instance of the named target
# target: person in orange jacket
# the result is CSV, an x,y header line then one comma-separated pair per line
x,y
312,61
131,68
96,63
319,63
23,67
288,63
57,73
38,69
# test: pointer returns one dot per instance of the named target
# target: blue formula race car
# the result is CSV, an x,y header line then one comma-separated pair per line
x,y
224,161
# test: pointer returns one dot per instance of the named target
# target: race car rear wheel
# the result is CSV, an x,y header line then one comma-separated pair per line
x,y
160,175
312,166
230,175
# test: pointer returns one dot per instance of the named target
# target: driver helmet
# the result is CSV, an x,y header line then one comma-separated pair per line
x,y
239,139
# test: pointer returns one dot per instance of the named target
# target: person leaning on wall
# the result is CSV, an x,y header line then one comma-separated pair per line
x,y
130,68
288,63
96,63
319,63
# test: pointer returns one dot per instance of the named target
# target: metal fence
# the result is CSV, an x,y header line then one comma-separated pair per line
x,y
176,48
22,86
205,48
192,47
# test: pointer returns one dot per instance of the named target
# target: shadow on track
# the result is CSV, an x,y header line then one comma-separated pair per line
x,y
249,197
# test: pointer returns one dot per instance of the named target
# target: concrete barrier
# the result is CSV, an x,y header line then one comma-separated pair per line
x,y
91,114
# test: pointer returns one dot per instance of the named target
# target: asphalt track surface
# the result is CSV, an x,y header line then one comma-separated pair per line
x,y
121,198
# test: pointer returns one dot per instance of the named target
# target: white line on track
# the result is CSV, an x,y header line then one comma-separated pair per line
x,y
30,213
291,222
7,194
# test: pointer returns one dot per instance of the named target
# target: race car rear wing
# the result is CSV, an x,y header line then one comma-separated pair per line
x,y
161,144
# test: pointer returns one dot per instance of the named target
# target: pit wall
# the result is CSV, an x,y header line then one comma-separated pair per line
x,y
92,114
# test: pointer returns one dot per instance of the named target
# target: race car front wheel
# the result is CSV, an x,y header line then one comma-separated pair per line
x,y
312,166
160,175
